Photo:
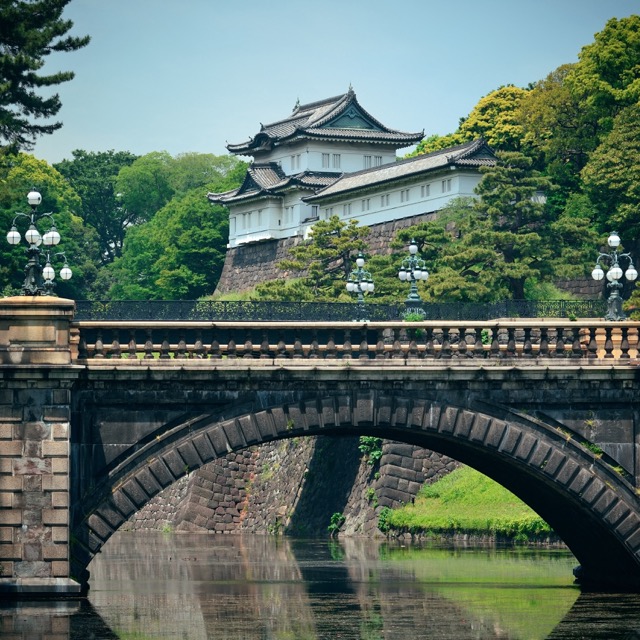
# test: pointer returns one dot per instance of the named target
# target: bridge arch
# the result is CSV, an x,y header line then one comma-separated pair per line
x,y
591,506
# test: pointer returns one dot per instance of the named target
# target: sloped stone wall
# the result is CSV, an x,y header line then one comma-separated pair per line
x,y
250,264
294,486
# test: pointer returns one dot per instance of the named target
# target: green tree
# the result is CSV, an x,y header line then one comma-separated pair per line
x,y
19,174
93,176
30,30
144,186
496,119
612,178
178,254
560,127
486,250
608,69
323,262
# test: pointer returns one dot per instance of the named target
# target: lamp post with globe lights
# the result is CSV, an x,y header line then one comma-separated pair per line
x,y
360,282
413,269
613,275
38,280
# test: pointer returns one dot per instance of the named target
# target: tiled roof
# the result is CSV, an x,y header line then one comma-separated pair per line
x,y
313,120
471,154
268,179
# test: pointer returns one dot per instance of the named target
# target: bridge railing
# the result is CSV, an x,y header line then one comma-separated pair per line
x,y
563,340
284,311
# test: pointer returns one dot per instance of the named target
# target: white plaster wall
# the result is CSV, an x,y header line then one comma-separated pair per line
x,y
351,156
290,217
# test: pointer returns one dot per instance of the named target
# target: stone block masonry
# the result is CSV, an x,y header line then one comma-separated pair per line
x,y
294,486
35,400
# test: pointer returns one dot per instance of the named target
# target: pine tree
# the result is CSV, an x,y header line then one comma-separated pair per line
x,y
30,30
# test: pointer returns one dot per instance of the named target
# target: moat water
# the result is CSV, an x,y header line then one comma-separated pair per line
x,y
153,585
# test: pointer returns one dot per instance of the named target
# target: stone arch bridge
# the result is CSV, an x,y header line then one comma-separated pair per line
x,y
96,418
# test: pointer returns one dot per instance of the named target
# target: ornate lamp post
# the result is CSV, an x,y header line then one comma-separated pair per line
x,y
413,269
614,273
38,280
360,282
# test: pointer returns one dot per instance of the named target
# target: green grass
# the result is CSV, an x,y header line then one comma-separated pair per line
x,y
465,501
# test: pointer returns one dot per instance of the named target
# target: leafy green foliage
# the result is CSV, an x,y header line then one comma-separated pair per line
x,y
612,177
466,501
371,448
19,174
337,520
29,32
93,176
324,261
179,251
496,119
178,254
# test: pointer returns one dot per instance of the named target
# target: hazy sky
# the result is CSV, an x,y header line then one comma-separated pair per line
x,y
191,75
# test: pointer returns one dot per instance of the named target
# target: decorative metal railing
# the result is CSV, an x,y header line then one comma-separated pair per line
x,y
564,341
273,311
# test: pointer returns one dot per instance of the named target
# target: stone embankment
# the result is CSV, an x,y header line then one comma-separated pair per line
x,y
294,487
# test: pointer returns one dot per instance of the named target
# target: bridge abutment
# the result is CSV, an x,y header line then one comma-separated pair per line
x,y
35,397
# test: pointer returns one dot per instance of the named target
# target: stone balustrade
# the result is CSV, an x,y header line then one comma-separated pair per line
x,y
362,343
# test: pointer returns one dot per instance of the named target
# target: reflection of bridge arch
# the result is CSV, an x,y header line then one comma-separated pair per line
x,y
591,506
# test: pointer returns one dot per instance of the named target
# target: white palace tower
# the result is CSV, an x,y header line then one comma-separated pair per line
x,y
332,157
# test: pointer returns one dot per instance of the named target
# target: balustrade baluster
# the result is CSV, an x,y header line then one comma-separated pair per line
x,y
282,347
331,351
461,352
608,342
297,348
592,348
232,351
429,348
98,351
165,347
83,352
264,346
576,345
495,343
478,345
148,346
115,351
364,346
247,351
347,347
544,342
198,346
527,347
181,351
624,344
380,350
511,342
132,347
445,348
559,351
314,347
397,344
214,349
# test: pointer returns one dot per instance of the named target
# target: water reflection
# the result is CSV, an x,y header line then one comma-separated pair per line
x,y
150,585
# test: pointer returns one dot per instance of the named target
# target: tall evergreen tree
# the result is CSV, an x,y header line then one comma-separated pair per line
x,y
30,30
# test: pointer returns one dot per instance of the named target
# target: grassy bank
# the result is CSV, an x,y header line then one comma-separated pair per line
x,y
466,502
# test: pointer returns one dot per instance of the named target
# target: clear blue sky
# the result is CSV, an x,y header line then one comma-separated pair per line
x,y
191,75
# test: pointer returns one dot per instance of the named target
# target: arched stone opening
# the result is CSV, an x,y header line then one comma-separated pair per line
x,y
591,506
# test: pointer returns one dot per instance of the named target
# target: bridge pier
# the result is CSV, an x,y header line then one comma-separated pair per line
x,y
35,396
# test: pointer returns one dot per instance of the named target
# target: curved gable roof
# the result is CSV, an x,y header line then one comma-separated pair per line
x,y
471,154
338,118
